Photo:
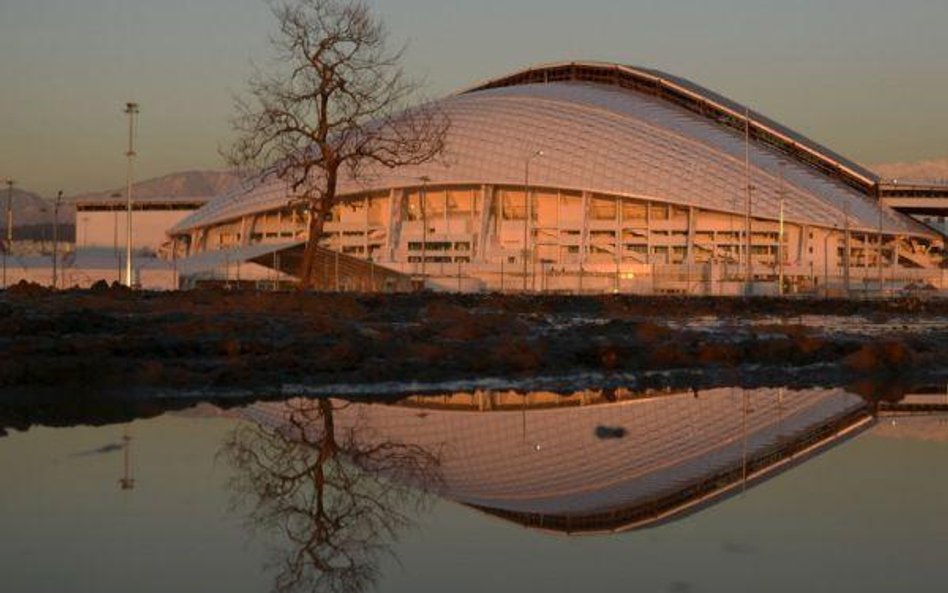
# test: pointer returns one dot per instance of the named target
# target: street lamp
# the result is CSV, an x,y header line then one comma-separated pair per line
x,y
526,212
131,109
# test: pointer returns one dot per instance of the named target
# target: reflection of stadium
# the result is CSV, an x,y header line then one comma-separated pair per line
x,y
646,182
601,462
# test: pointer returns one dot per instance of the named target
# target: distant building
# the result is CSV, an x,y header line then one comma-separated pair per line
x,y
101,221
646,183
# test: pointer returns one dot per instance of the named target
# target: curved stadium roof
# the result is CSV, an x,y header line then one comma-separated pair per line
x,y
624,131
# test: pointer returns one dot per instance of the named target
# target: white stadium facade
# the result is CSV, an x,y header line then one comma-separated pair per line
x,y
588,177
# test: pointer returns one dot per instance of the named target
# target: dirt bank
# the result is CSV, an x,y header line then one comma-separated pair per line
x,y
117,341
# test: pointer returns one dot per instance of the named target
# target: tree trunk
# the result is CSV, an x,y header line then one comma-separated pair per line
x,y
316,223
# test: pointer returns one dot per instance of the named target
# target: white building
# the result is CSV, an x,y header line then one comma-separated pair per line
x,y
101,221
599,177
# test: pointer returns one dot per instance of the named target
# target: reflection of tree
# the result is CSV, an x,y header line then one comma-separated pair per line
x,y
338,496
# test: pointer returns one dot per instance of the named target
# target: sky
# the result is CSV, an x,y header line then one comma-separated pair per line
x,y
868,78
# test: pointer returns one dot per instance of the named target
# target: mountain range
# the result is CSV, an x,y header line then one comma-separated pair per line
x,y
29,209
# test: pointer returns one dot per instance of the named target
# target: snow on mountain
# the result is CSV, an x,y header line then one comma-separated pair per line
x,y
181,184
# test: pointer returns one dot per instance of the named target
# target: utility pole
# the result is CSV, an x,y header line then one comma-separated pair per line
x,y
115,233
10,184
131,109
846,250
879,207
59,200
424,227
527,213
748,270
9,242
780,250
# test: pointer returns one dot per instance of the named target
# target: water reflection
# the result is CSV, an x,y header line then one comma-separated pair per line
x,y
335,489
335,477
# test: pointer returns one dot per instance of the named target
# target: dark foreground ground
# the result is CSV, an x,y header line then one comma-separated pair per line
x,y
69,351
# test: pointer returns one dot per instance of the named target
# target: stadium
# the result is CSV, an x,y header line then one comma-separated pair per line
x,y
587,177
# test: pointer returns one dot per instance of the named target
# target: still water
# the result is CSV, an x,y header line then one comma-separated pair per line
x,y
722,490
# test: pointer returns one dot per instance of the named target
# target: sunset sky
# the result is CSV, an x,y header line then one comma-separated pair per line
x,y
868,78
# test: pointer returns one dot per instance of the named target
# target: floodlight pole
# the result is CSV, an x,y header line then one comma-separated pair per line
x,y
424,226
59,199
9,242
780,251
847,249
780,234
879,256
131,109
748,278
526,212
10,184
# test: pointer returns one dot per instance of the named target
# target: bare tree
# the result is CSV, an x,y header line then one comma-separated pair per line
x,y
337,496
337,103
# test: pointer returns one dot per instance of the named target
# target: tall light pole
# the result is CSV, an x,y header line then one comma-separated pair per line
x,y
526,212
10,184
748,278
9,242
780,233
847,249
115,232
424,225
59,200
879,256
131,109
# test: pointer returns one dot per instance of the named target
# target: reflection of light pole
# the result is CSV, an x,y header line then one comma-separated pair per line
x,y
131,109
59,199
526,212
127,482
